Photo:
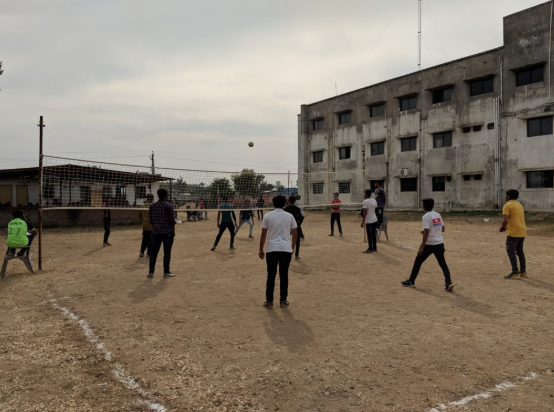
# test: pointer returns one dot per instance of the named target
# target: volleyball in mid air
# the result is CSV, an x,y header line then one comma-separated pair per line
x,y
251,144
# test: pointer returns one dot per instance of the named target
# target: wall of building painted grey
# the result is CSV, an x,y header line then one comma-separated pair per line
x,y
468,148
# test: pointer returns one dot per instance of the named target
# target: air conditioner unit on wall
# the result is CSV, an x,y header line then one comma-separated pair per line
x,y
404,172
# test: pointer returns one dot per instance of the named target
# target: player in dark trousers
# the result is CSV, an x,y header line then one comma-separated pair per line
x,y
107,220
279,229
297,214
20,233
144,216
225,220
381,199
513,224
335,214
259,204
162,218
246,216
432,244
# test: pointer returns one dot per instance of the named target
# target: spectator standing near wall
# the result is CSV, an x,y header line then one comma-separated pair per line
x,y
162,217
381,199
513,224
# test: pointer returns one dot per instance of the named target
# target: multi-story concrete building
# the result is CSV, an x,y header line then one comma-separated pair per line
x,y
462,132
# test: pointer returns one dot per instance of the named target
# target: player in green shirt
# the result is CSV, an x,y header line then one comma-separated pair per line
x,y
17,232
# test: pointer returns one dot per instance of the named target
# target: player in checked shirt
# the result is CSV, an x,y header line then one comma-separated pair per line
x,y
432,244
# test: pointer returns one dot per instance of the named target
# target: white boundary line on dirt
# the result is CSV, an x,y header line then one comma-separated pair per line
x,y
118,370
484,395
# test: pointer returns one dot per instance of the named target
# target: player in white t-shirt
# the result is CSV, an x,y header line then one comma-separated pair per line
x,y
432,244
370,221
279,228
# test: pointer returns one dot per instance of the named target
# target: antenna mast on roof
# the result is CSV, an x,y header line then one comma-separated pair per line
x,y
419,35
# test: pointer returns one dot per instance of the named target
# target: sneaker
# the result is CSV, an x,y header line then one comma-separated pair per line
x,y
213,248
250,236
522,274
449,287
513,275
297,258
340,235
408,283
141,254
232,248
368,251
331,234
284,303
268,305
107,244
168,275
150,275
302,237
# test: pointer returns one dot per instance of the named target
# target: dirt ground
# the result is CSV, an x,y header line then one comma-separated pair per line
x,y
352,339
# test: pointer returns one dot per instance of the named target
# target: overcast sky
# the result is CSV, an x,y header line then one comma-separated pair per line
x,y
195,81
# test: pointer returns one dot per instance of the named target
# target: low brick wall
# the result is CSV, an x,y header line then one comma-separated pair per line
x,y
71,218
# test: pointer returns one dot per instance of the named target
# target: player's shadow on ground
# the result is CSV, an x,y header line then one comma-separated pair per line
x,y
93,251
463,302
284,330
539,284
297,266
148,289
229,254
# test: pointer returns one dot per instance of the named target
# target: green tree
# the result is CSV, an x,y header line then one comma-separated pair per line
x,y
248,182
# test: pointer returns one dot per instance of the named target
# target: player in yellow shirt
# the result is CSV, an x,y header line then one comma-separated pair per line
x,y
513,224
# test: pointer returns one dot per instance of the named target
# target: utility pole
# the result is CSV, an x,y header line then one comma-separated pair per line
x,y
41,192
419,35
153,168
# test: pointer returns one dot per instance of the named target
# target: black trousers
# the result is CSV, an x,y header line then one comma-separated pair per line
x,y
107,227
379,212
260,214
299,236
222,227
438,251
274,260
371,235
146,239
335,217
155,244
514,246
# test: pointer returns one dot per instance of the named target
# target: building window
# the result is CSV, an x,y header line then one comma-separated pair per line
x,y
477,128
490,126
467,178
466,129
408,103
408,144
408,184
317,188
345,117
482,86
443,139
344,153
439,184
372,184
542,179
539,126
317,124
442,95
140,192
377,148
344,187
529,76
478,177
377,110
318,157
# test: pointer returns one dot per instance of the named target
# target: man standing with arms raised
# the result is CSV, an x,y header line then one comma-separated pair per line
x,y
513,224
162,218
279,229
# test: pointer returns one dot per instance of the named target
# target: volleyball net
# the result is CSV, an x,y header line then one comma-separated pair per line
x,y
83,184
